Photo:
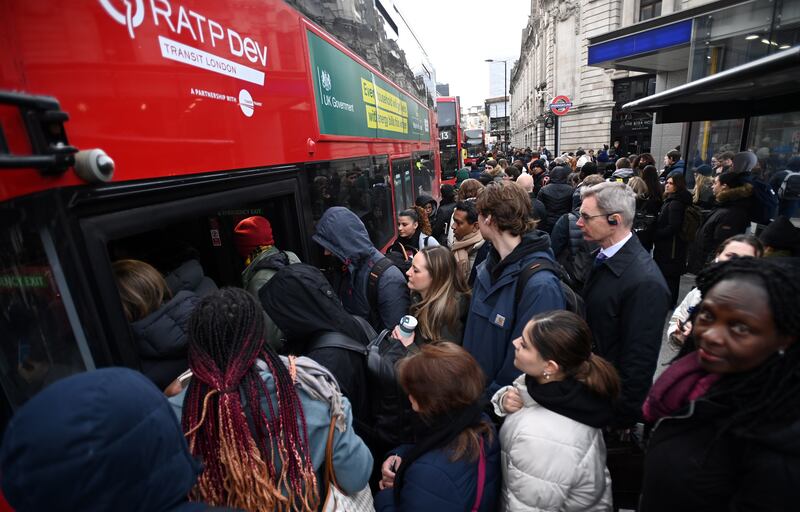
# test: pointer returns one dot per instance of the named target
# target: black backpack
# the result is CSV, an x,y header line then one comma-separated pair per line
x,y
574,302
375,273
401,255
388,408
790,187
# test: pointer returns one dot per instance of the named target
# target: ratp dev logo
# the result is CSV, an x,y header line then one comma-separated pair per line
x,y
326,80
132,16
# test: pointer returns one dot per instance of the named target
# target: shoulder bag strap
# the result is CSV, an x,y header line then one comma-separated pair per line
x,y
337,340
481,479
330,475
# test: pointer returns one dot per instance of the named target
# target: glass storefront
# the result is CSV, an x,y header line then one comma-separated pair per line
x,y
633,130
709,138
775,140
731,37
743,33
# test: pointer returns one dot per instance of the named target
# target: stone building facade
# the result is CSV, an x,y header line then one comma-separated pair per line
x,y
552,62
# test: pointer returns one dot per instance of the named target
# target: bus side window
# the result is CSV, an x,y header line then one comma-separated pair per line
x,y
42,339
359,184
423,174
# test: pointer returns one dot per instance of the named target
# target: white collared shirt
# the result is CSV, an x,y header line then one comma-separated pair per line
x,y
614,249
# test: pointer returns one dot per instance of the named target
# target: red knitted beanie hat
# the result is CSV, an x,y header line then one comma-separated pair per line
x,y
251,233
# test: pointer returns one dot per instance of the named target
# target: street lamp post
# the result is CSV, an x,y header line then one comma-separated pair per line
x,y
505,95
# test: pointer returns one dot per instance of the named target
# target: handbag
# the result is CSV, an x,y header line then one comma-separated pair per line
x,y
625,462
336,500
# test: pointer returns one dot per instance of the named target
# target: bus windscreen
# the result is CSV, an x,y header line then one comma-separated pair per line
x,y
446,114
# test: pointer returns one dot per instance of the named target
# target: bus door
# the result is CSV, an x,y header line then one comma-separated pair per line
x,y
402,183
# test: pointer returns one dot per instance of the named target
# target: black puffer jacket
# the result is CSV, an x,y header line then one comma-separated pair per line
x,y
572,250
670,248
162,341
557,198
190,276
731,217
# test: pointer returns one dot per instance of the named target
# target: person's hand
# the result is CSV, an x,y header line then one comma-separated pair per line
x,y
406,341
685,328
174,388
512,401
388,470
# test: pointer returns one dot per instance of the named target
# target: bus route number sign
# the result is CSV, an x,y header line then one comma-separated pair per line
x,y
560,105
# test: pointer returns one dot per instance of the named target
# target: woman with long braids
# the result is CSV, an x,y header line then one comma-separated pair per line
x,y
261,427
727,415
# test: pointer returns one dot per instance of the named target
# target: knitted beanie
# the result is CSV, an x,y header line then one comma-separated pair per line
x,y
251,233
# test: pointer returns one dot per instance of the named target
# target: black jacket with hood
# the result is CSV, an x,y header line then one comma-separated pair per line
x,y
670,249
98,441
342,233
557,198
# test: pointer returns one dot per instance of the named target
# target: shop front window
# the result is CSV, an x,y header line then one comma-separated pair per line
x,y
709,138
743,33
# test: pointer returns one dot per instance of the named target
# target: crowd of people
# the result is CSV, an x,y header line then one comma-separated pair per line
x,y
540,289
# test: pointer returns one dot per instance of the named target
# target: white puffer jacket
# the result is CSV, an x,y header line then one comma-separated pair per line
x,y
550,462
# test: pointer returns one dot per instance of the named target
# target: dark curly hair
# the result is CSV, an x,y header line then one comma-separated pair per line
x,y
769,393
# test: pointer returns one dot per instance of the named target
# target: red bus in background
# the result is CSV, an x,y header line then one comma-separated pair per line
x,y
150,132
448,115
475,144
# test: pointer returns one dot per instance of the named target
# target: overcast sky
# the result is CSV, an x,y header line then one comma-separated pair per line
x,y
459,35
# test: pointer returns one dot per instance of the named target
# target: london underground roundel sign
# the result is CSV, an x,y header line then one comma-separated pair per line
x,y
560,105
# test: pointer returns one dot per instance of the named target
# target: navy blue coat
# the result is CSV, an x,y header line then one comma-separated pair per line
x,y
161,339
342,233
494,321
98,441
436,484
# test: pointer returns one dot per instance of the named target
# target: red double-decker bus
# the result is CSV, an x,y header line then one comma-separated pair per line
x,y
475,144
149,129
448,115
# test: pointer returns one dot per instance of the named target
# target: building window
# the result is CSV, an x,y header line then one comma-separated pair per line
x,y
649,9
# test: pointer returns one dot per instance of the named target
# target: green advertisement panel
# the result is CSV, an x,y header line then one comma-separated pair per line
x,y
353,101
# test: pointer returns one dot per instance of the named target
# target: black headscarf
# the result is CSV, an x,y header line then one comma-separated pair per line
x,y
302,303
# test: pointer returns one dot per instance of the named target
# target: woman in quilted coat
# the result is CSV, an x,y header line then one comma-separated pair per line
x,y
552,450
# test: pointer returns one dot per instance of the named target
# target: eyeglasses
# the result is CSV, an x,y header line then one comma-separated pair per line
x,y
587,218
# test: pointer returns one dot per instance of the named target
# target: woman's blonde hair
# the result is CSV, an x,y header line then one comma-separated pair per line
x,y
142,288
700,181
438,308
638,186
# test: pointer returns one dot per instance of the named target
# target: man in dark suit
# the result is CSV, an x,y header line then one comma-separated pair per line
x,y
626,296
